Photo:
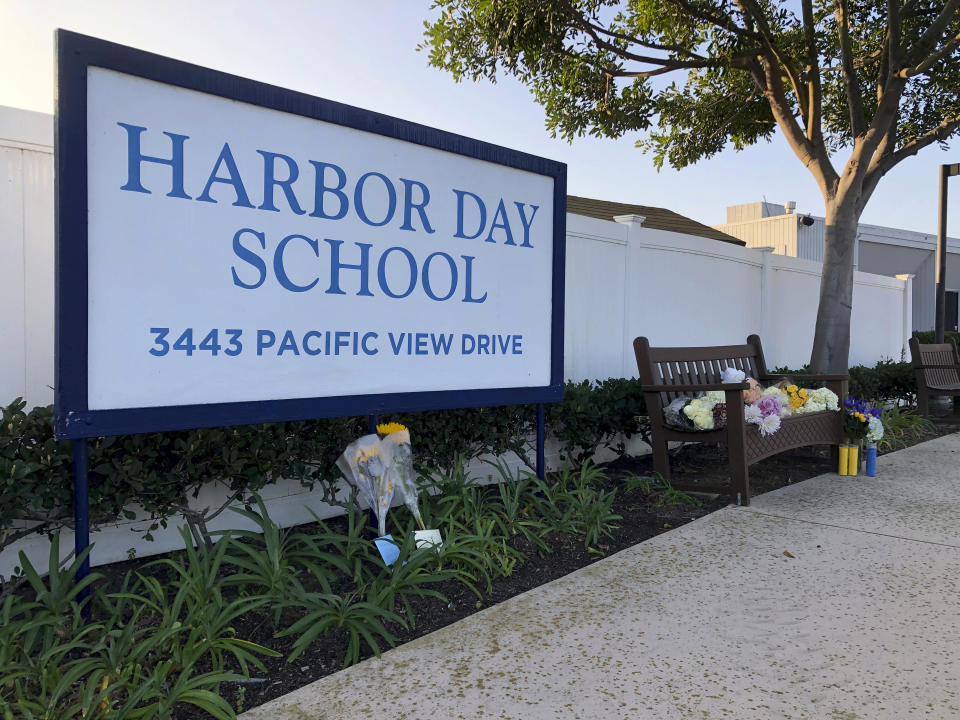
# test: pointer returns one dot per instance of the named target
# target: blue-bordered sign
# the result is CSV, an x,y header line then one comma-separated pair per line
x,y
231,252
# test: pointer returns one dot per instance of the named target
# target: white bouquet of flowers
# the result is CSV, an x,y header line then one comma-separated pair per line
x,y
700,410
874,429
819,400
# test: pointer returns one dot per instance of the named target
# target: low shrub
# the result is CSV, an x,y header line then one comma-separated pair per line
x,y
596,415
158,471
445,437
888,382
929,336
161,472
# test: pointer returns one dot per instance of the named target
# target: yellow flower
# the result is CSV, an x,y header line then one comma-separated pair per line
x,y
387,428
802,392
791,388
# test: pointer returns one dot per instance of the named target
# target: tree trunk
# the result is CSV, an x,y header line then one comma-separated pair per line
x,y
831,341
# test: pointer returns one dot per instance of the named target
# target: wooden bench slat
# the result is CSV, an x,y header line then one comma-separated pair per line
x,y
672,354
696,387
804,376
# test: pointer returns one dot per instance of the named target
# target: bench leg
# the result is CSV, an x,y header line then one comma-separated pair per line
x,y
736,444
923,404
661,459
740,481
739,471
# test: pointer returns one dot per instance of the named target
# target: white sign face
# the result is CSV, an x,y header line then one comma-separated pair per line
x,y
238,253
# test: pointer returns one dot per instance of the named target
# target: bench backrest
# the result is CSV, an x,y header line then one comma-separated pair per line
x,y
935,354
688,365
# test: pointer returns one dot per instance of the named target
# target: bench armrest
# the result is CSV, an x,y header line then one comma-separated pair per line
x,y
694,387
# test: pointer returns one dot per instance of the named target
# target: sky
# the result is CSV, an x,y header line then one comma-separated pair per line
x,y
364,53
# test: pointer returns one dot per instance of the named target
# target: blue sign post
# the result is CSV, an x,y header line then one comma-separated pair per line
x,y
229,252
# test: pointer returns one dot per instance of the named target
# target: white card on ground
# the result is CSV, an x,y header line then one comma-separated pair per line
x,y
427,538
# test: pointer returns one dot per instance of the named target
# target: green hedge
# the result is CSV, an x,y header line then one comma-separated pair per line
x,y
158,471
161,471
595,415
887,382
928,336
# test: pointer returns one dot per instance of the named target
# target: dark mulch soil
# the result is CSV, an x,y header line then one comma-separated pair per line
x,y
694,466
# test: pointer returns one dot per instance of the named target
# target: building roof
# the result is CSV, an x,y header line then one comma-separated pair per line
x,y
656,218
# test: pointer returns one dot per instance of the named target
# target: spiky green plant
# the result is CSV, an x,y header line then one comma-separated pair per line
x,y
900,426
325,613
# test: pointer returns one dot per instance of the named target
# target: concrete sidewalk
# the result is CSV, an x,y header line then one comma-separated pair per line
x,y
836,598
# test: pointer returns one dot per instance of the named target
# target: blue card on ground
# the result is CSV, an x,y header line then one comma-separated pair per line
x,y
389,551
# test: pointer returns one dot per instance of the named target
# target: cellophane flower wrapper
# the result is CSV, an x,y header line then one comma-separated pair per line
x,y
674,416
398,456
362,463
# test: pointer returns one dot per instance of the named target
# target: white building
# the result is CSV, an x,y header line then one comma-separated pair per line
x,y
879,250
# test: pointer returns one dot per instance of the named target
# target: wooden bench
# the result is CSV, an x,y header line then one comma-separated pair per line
x,y
937,369
670,372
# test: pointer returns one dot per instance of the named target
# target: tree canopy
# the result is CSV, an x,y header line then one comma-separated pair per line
x,y
855,86
827,73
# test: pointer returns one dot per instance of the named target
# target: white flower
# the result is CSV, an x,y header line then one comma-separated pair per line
x,y
704,420
811,406
825,397
819,400
769,425
700,409
874,430
752,414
